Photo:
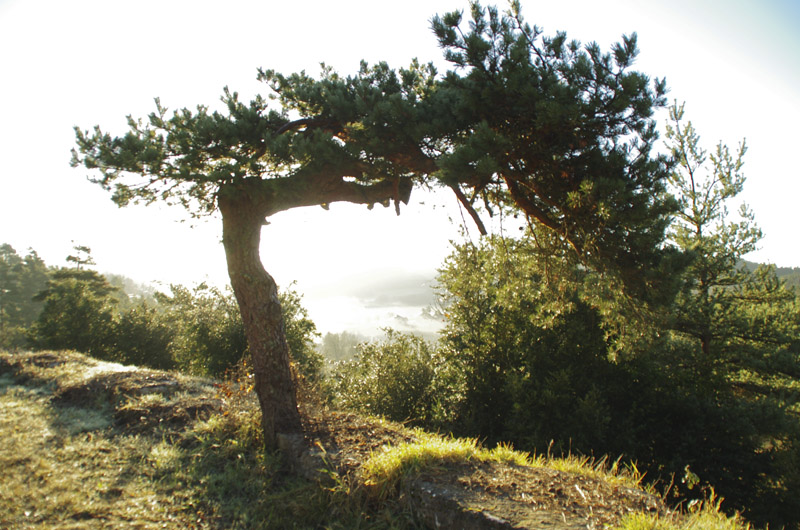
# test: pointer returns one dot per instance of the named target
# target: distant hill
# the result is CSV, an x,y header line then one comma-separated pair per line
x,y
790,274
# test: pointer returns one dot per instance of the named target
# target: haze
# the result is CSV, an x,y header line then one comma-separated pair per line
x,y
88,62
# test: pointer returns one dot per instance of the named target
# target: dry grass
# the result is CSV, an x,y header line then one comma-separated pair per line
x,y
83,448
92,445
435,455
65,468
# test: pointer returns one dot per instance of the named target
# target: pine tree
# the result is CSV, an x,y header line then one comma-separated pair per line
x,y
736,317
562,132
20,279
559,132
78,310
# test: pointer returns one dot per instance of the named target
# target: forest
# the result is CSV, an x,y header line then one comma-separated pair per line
x,y
622,320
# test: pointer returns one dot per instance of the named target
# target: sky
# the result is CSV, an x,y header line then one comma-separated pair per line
x,y
735,63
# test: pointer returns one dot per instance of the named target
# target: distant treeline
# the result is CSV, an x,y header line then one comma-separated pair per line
x,y
195,329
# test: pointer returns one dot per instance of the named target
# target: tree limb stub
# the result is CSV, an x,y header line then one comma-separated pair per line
x,y
529,207
531,210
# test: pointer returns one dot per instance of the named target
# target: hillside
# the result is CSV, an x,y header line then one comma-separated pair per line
x,y
791,275
89,444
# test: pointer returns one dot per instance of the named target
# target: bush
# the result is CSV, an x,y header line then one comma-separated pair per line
x,y
541,368
209,334
78,314
143,337
300,334
402,378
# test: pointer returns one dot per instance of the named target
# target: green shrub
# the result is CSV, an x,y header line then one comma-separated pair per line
x,y
142,337
402,377
209,335
78,313
300,334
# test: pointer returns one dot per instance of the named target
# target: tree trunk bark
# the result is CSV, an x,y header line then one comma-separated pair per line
x,y
257,295
244,205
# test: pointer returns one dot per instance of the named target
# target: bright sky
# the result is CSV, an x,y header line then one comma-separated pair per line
x,y
736,64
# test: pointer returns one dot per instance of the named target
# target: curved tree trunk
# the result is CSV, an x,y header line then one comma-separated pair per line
x,y
244,205
257,296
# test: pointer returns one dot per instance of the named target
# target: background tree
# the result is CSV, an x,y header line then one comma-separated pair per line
x,y
735,316
21,278
559,131
789,274
737,329
340,346
129,292
82,257
77,314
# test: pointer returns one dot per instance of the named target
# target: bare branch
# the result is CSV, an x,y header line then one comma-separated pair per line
x,y
468,205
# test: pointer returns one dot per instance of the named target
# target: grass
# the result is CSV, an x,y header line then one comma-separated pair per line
x,y
62,470
393,463
384,471
701,516
73,465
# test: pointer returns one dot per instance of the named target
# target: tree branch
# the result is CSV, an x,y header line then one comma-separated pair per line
x,y
276,195
466,204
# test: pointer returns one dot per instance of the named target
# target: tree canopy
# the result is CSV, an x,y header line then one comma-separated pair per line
x,y
563,132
